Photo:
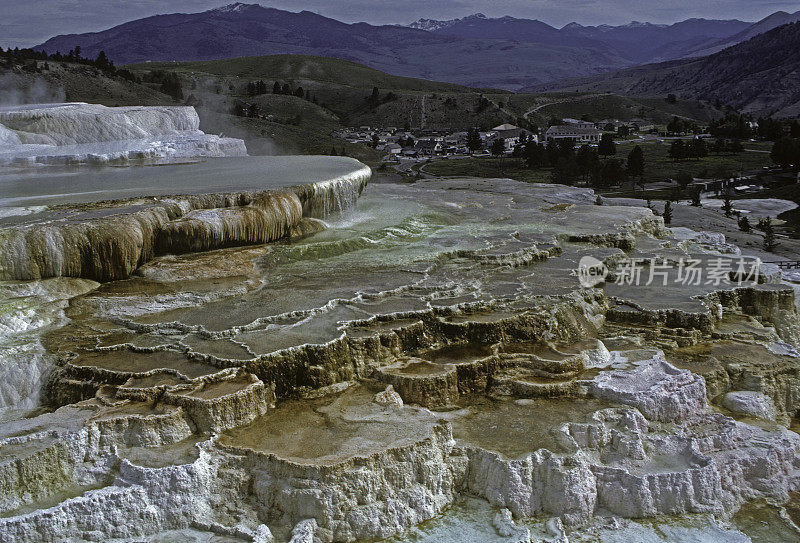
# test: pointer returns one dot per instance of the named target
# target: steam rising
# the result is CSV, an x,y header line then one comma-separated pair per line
x,y
16,90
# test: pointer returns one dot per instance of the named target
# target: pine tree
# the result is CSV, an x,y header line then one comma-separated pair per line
x,y
667,212
636,162
677,150
770,243
727,205
744,225
101,61
474,142
607,146
276,88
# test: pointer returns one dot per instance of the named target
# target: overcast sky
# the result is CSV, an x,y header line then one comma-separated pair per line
x,y
25,23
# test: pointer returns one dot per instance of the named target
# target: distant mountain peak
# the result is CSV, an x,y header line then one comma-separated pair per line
x,y
434,24
236,7
572,25
639,24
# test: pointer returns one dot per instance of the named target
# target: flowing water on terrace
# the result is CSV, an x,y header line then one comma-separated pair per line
x,y
402,248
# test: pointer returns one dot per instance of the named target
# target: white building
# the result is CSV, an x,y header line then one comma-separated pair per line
x,y
578,134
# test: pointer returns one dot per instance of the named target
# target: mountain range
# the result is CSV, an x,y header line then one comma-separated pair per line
x,y
636,41
505,53
759,76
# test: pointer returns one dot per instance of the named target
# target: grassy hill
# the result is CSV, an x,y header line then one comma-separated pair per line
x,y
341,90
70,82
305,68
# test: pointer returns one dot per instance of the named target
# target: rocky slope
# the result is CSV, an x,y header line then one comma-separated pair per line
x,y
758,76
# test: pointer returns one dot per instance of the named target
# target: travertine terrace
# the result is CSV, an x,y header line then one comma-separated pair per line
x,y
306,364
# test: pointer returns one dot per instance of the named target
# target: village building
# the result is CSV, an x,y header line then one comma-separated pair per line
x,y
578,134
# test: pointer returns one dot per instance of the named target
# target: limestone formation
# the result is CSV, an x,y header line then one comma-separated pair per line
x,y
243,373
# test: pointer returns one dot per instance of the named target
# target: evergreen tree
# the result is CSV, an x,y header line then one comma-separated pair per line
x,y
299,92
636,162
586,158
474,142
171,86
565,172
608,173
498,147
744,224
276,88
696,148
727,204
770,243
535,155
101,61
375,98
696,198
667,212
607,147
677,151
553,152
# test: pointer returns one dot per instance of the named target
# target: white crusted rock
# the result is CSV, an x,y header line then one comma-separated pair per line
x,y
658,389
304,531
748,402
503,522
388,397
263,534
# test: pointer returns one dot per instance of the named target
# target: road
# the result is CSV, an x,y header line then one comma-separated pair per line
x,y
578,99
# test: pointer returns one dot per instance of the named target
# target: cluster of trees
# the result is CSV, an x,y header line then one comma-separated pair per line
x,y
587,164
765,225
731,126
255,88
726,146
682,126
682,150
246,110
483,104
168,82
786,152
375,99
101,62
773,129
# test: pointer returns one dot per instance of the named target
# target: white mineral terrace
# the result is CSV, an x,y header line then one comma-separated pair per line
x,y
75,133
221,365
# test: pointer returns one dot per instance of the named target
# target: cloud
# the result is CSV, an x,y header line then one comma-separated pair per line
x,y
33,21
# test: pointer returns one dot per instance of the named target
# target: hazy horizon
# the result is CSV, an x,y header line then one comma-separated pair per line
x,y
31,23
